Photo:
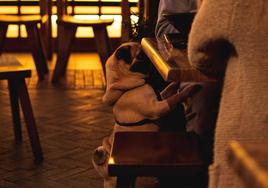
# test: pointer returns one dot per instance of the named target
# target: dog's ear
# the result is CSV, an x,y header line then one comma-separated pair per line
x,y
124,53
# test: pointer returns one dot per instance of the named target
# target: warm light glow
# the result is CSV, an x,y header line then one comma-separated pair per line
x,y
12,31
30,10
111,160
8,10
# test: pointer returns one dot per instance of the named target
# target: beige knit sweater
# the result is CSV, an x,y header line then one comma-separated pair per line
x,y
234,33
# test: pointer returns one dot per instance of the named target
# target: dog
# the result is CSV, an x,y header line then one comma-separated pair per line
x,y
137,105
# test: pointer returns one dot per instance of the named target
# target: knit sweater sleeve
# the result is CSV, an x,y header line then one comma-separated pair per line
x,y
209,45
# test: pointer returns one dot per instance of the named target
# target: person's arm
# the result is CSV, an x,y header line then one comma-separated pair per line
x,y
171,6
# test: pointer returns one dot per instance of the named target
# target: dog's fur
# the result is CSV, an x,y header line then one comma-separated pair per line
x,y
135,101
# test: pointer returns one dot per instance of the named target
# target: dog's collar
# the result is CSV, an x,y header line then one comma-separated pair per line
x,y
138,123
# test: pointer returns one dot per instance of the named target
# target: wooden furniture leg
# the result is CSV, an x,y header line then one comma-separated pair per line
x,y
3,32
23,94
46,42
37,50
15,109
102,43
65,38
46,29
15,73
125,182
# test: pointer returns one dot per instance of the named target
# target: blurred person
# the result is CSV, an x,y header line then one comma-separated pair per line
x,y
204,104
171,6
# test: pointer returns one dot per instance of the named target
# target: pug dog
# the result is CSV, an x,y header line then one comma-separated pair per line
x,y
137,105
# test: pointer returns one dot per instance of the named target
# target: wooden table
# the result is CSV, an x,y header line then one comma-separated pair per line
x,y
15,73
162,154
250,162
173,65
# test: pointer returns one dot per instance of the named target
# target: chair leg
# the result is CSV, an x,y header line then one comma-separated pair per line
x,y
103,44
29,119
37,50
3,32
125,182
14,101
66,36
46,30
46,40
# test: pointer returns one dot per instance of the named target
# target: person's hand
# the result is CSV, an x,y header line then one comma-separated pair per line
x,y
170,90
183,94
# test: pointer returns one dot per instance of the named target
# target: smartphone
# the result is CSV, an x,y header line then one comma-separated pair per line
x,y
175,40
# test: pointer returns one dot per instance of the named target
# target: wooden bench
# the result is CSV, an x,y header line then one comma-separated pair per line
x,y
15,73
158,154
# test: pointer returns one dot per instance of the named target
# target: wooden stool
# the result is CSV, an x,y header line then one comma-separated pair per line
x,y
15,73
67,26
158,154
31,22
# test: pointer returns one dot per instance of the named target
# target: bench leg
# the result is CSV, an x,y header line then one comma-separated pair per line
x,y
37,50
29,119
14,101
66,36
103,44
3,32
125,182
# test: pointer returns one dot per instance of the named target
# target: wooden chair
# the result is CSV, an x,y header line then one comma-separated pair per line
x,y
31,23
15,73
166,155
67,26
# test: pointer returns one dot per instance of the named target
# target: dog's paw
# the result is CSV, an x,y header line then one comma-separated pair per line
x,y
100,156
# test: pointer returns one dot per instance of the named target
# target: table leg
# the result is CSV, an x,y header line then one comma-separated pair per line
x,y
125,182
14,101
29,119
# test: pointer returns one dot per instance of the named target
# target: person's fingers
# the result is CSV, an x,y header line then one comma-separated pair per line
x,y
170,90
180,97
190,116
189,91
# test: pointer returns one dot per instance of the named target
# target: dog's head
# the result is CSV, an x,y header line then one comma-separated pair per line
x,y
131,54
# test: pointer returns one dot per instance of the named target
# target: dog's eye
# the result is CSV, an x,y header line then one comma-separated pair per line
x,y
124,54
